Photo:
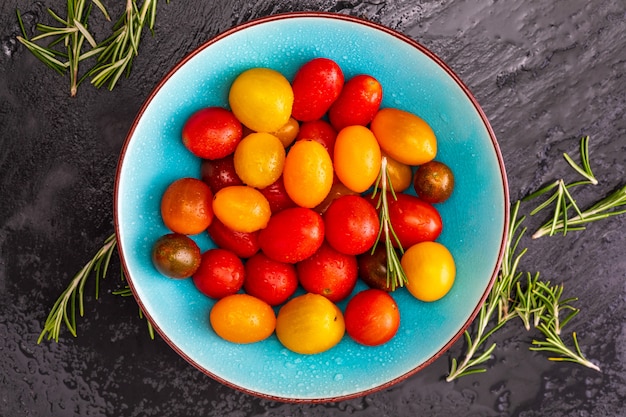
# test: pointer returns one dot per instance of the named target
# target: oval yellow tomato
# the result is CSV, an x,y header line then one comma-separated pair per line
x,y
309,324
357,157
308,173
242,318
404,136
261,99
430,270
242,208
259,159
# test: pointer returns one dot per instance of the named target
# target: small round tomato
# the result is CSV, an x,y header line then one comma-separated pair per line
x,y
357,158
351,224
262,99
358,102
399,175
308,173
221,273
242,208
288,132
277,196
176,256
242,318
430,270
309,324
316,85
243,244
413,220
433,182
271,281
372,317
259,159
292,235
329,273
337,190
186,206
373,268
212,133
320,131
404,136
219,173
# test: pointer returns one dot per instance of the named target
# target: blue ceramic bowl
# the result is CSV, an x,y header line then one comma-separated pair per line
x,y
413,79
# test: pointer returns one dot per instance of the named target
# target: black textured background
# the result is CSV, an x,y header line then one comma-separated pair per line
x,y
546,72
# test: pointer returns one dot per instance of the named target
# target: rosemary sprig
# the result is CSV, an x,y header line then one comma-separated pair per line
x,y
498,301
71,34
395,273
64,309
560,221
551,325
126,292
113,56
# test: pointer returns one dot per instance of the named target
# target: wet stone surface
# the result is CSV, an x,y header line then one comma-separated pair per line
x,y
545,73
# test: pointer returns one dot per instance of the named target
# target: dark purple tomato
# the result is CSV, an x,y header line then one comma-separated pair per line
x,y
176,256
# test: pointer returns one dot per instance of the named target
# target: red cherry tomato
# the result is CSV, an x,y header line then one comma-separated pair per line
x,y
277,196
292,235
316,86
329,273
187,206
219,173
351,223
320,131
242,244
413,220
372,317
221,273
212,133
271,281
358,102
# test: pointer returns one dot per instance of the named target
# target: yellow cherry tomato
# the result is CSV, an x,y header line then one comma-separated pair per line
x,y
288,133
261,98
241,208
259,159
308,173
242,318
399,175
404,136
309,324
357,157
430,270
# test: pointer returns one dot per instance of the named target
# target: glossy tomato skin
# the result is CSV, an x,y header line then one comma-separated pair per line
x,y
276,194
373,268
338,189
433,182
413,219
176,256
271,281
352,224
243,244
292,235
329,273
187,206
372,317
320,131
219,173
316,86
212,133
221,273
358,102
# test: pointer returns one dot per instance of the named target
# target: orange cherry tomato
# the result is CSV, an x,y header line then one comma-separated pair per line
x,y
242,208
308,173
186,206
357,157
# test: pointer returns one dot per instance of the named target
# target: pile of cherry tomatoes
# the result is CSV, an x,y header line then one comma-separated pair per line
x,y
285,193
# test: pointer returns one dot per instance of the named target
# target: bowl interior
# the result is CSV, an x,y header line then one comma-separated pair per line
x,y
475,217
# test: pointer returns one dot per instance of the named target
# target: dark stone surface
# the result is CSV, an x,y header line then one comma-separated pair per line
x,y
545,72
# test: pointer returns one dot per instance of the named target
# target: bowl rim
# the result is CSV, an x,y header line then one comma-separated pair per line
x,y
371,25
